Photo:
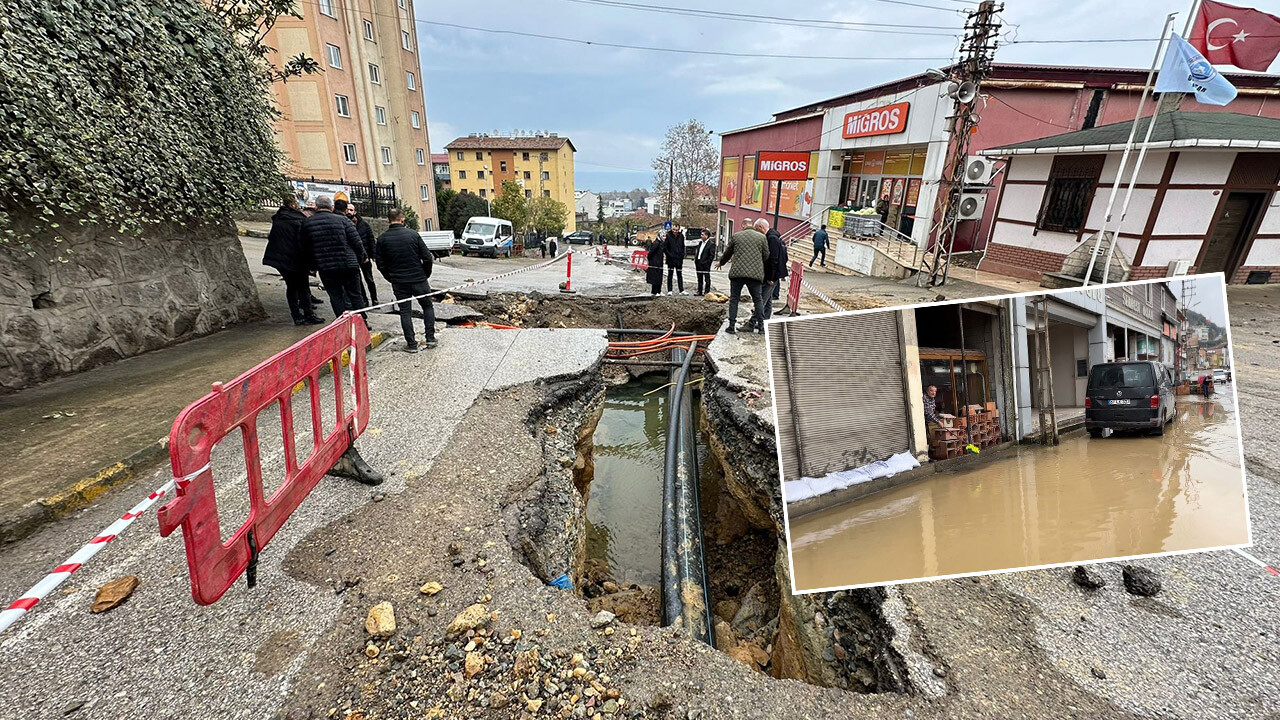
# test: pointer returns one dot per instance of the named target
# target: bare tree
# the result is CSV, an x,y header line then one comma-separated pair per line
x,y
688,165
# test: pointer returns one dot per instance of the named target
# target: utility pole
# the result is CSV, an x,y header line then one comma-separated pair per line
x,y
977,52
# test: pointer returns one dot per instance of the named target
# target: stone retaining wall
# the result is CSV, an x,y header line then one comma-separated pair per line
x,y
81,299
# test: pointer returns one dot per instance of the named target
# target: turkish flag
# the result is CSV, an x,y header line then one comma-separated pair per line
x,y
1230,35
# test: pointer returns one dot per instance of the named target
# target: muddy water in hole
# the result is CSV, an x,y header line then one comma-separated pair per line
x,y
1087,499
624,507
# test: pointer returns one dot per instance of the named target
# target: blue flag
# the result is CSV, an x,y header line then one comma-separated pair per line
x,y
1186,71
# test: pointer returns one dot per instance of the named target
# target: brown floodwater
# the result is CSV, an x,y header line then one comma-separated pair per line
x,y
1087,499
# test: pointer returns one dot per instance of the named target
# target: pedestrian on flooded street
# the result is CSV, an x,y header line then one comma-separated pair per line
x,y
656,250
404,260
675,257
749,252
703,256
366,239
284,253
333,248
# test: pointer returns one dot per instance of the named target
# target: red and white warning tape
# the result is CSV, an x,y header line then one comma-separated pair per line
x,y
22,605
1257,562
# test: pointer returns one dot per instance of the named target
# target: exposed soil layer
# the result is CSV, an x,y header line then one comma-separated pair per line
x,y
537,310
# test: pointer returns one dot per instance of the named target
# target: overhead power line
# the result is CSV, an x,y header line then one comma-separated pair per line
x,y
823,24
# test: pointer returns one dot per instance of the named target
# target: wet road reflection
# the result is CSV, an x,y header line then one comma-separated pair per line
x,y
1087,499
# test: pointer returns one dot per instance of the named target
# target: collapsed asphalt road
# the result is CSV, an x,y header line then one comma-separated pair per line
x,y
453,426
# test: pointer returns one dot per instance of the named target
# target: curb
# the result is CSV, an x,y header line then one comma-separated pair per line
x,y
33,515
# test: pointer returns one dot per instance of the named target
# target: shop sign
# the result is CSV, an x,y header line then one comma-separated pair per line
x,y
776,165
885,120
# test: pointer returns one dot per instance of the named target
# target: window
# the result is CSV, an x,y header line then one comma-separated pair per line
x,y
524,157
400,3
380,114
459,154
349,153
422,156
335,56
462,174
404,40
479,156
528,193
502,165
422,193
344,107
484,193
375,74
546,175
386,155
410,81
415,120
326,7
528,175
480,174
546,193
368,30
1069,192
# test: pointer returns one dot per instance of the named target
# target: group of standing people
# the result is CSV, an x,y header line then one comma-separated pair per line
x,y
669,251
757,261
338,245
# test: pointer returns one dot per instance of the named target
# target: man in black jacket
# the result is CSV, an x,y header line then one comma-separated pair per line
x,y
404,260
674,253
366,239
284,253
703,256
333,247
775,271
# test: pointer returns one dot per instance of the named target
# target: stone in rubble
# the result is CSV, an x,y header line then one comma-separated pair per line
x,y
381,620
431,588
469,619
473,664
1086,577
743,654
602,618
114,593
1141,581
725,639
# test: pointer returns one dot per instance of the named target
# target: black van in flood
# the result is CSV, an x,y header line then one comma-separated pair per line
x,y
1129,396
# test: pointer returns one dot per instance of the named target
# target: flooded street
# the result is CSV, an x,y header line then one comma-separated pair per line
x,y
624,508
1084,500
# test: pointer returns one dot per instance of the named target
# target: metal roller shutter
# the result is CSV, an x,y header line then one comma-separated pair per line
x,y
848,386
782,404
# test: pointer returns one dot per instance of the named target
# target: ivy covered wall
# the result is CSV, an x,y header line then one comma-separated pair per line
x,y
130,130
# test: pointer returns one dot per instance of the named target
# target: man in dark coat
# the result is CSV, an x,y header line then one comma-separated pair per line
x,y
367,240
655,251
284,253
703,256
674,251
775,271
749,252
404,260
820,240
333,247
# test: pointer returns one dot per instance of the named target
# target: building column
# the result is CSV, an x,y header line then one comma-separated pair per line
x,y
1098,341
1021,365
913,384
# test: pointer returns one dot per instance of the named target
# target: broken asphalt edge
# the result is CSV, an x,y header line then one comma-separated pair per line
x,y
32,516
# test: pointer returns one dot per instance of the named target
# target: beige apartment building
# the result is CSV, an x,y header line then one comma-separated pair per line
x,y
541,163
363,118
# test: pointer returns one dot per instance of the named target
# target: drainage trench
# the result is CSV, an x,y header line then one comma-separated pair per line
x,y
839,640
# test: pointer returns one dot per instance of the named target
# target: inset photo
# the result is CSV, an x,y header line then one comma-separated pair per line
x,y
1008,433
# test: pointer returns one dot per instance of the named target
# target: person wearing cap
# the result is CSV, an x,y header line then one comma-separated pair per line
x,y
332,246
404,260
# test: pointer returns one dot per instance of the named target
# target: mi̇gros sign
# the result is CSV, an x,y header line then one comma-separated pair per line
x,y
885,120
778,165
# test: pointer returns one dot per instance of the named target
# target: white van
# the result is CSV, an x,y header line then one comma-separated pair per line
x,y
487,236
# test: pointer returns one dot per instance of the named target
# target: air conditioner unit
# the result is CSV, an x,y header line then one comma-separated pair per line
x,y
1179,267
978,171
971,206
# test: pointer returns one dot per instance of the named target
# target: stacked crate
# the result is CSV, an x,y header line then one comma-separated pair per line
x,y
981,428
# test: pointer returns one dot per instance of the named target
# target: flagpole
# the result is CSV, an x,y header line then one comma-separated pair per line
x,y
1128,148
1191,18
1133,179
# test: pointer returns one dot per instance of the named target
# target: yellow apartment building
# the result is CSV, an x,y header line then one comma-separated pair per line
x,y
542,163
364,117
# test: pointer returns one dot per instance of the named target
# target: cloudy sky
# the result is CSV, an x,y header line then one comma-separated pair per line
x,y
617,102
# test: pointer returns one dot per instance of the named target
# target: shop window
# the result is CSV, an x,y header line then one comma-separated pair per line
x,y
1069,192
958,382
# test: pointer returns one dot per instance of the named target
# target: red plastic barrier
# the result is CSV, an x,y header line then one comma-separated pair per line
x,y
793,289
235,405
639,260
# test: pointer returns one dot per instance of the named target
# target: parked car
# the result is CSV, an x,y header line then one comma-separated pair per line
x,y
1220,375
1129,396
581,237
439,242
486,236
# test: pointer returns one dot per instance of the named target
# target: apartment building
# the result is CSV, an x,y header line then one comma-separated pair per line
x,y
542,163
440,165
363,118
